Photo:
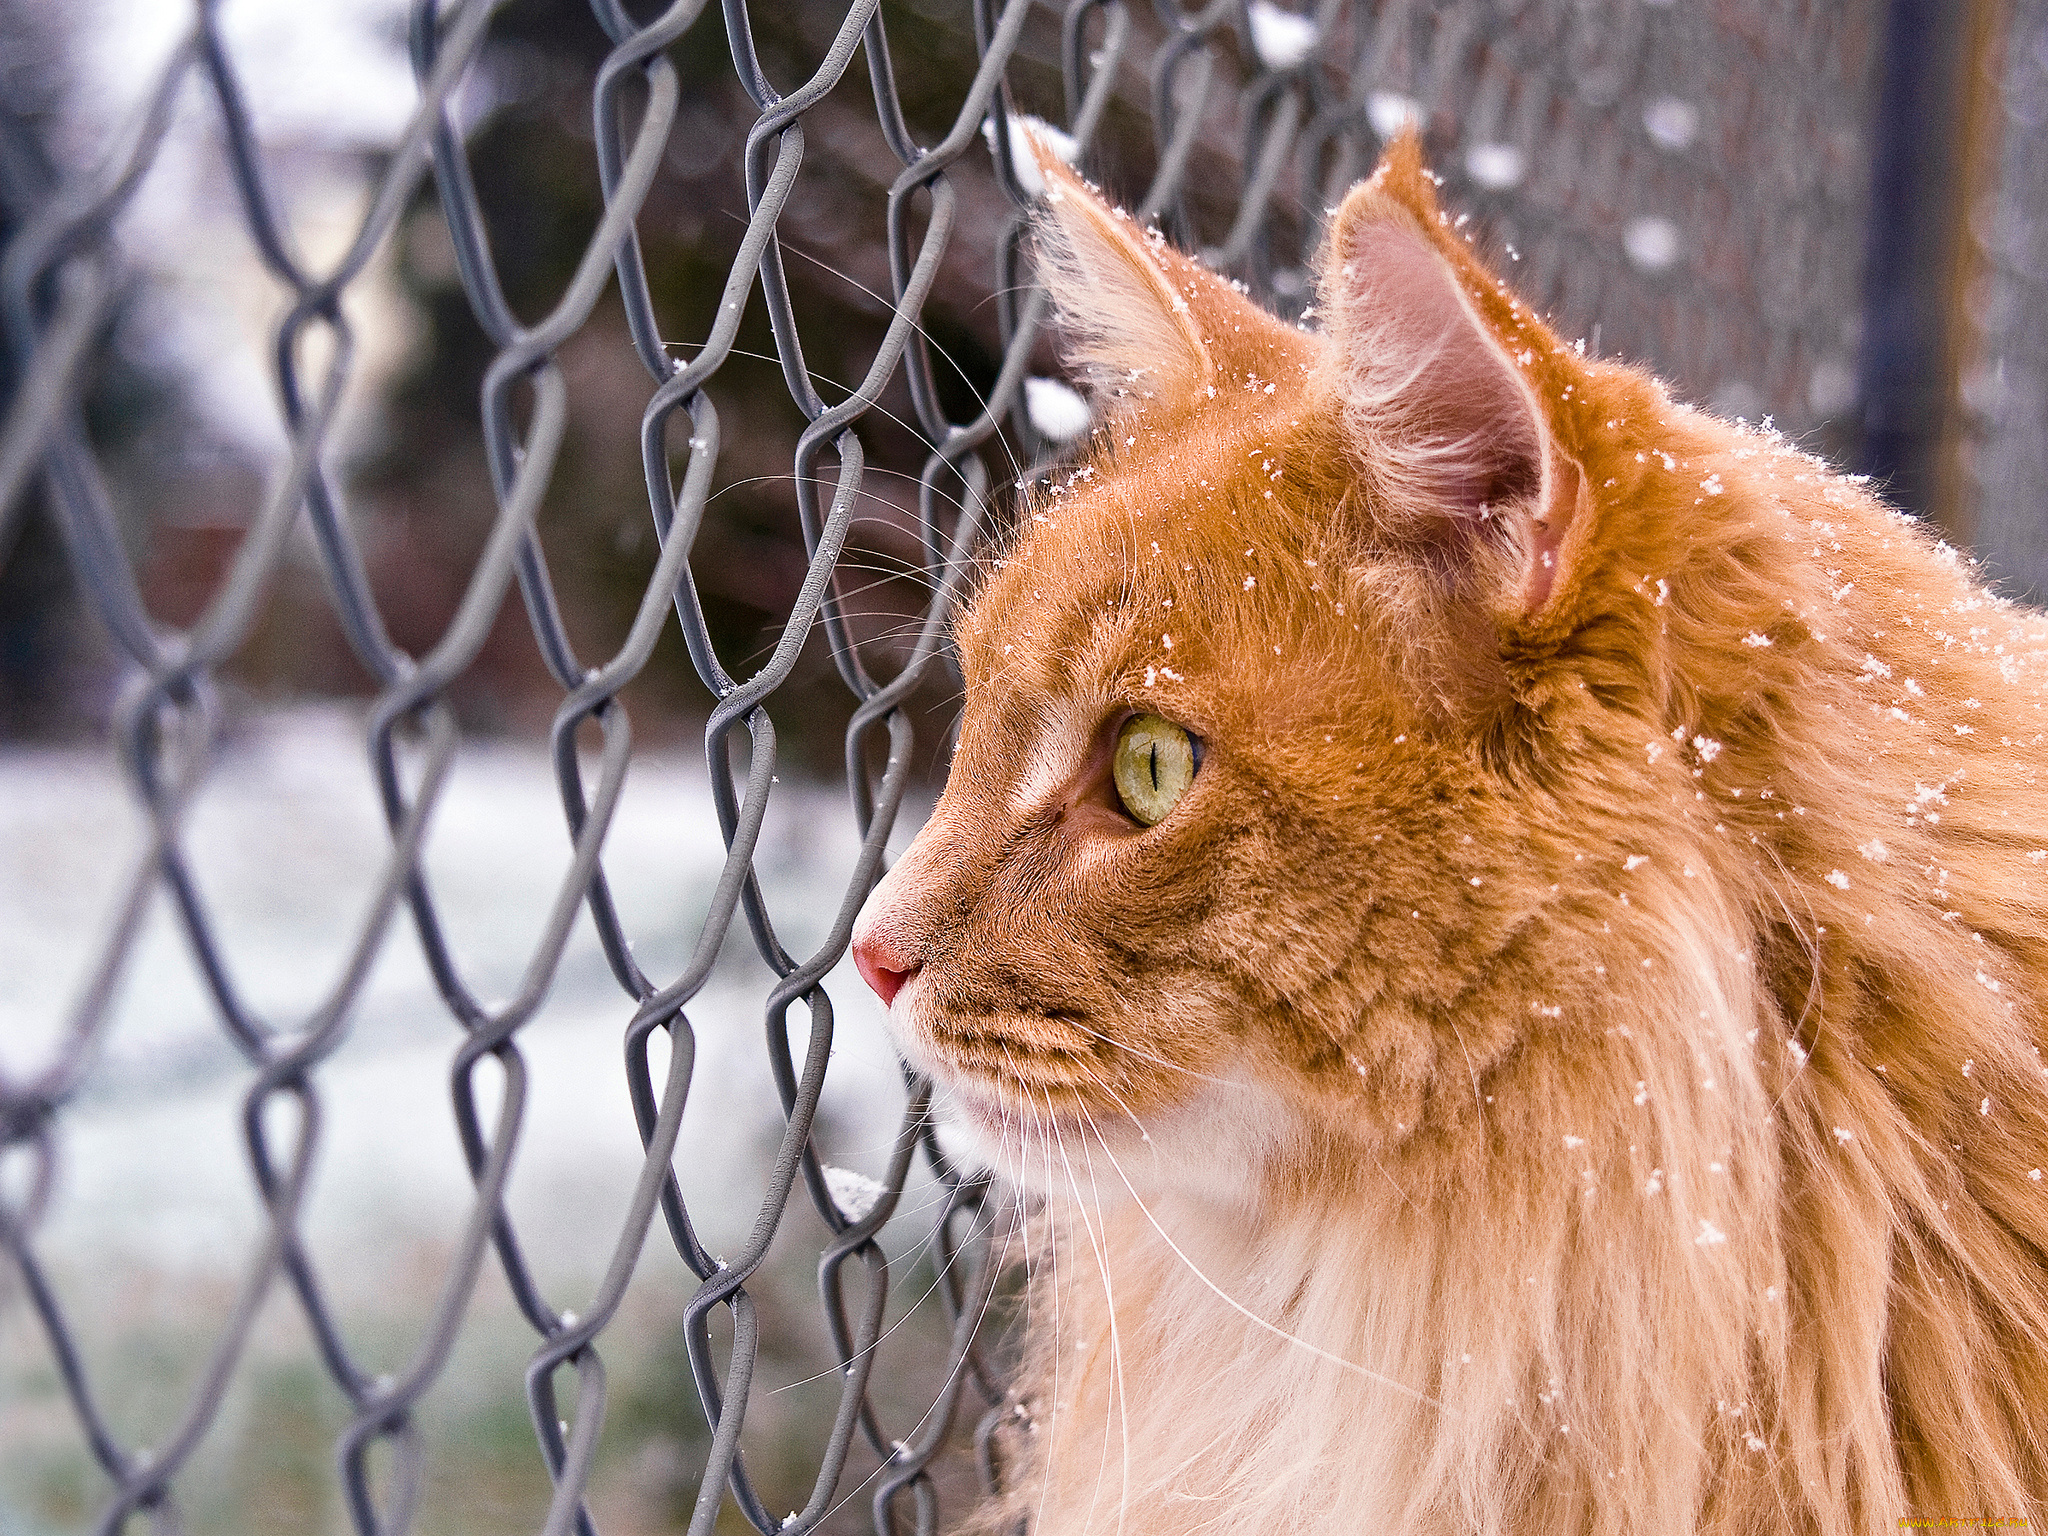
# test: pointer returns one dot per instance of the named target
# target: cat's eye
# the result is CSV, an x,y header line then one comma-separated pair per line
x,y
1153,766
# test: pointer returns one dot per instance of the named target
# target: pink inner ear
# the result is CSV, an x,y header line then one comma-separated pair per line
x,y
1437,408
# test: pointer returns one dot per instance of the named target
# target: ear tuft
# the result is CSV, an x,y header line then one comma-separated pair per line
x,y
1117,290
1404,177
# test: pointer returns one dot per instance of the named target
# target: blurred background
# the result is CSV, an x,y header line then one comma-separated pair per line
x,y
1831,214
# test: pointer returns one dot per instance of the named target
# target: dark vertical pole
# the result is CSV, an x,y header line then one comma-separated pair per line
x,y
1919,161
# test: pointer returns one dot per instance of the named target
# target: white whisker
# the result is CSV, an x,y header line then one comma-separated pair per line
x,y
1252,1317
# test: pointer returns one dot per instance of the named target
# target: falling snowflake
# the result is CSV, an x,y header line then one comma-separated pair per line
x,y
854,1193
1056,410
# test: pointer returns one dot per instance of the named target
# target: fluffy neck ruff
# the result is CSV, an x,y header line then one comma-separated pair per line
x,y
1535,1315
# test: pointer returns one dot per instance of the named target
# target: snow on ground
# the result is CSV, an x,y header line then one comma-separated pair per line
x,y
155,1215
285,843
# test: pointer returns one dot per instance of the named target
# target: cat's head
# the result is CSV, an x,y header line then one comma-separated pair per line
x,y
1280,706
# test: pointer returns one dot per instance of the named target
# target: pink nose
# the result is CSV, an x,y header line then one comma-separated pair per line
x,y
880,965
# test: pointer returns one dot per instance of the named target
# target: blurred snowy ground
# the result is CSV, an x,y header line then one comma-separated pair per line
x,y
286,842
155,1211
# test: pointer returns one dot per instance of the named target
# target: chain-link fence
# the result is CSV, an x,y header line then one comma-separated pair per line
x,y
1685,184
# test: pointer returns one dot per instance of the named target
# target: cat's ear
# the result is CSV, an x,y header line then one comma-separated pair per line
x,y
1125,300
1143,322
1443,379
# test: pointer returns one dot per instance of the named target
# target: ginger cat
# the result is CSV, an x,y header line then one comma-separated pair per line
x,y
1505,920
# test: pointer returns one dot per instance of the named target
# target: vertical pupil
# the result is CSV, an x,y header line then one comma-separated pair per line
x,y
1153,758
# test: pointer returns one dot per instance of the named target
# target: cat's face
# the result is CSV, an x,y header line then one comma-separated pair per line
x,y
1074,961
1292,564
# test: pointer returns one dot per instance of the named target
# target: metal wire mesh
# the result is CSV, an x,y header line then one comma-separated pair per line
x,y
1680,183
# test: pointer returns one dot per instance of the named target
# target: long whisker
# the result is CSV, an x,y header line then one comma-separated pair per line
x,y
1252,1317
1116,1354
826,482
1102,1268
958,1366
911,1256
1016,470
1143,1055
911,427
1095,1128
1059,1353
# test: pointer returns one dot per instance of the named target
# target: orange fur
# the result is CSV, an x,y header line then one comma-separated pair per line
x,y
1571,1063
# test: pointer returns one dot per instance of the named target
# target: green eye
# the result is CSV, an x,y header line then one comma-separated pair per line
x,y
1153,766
